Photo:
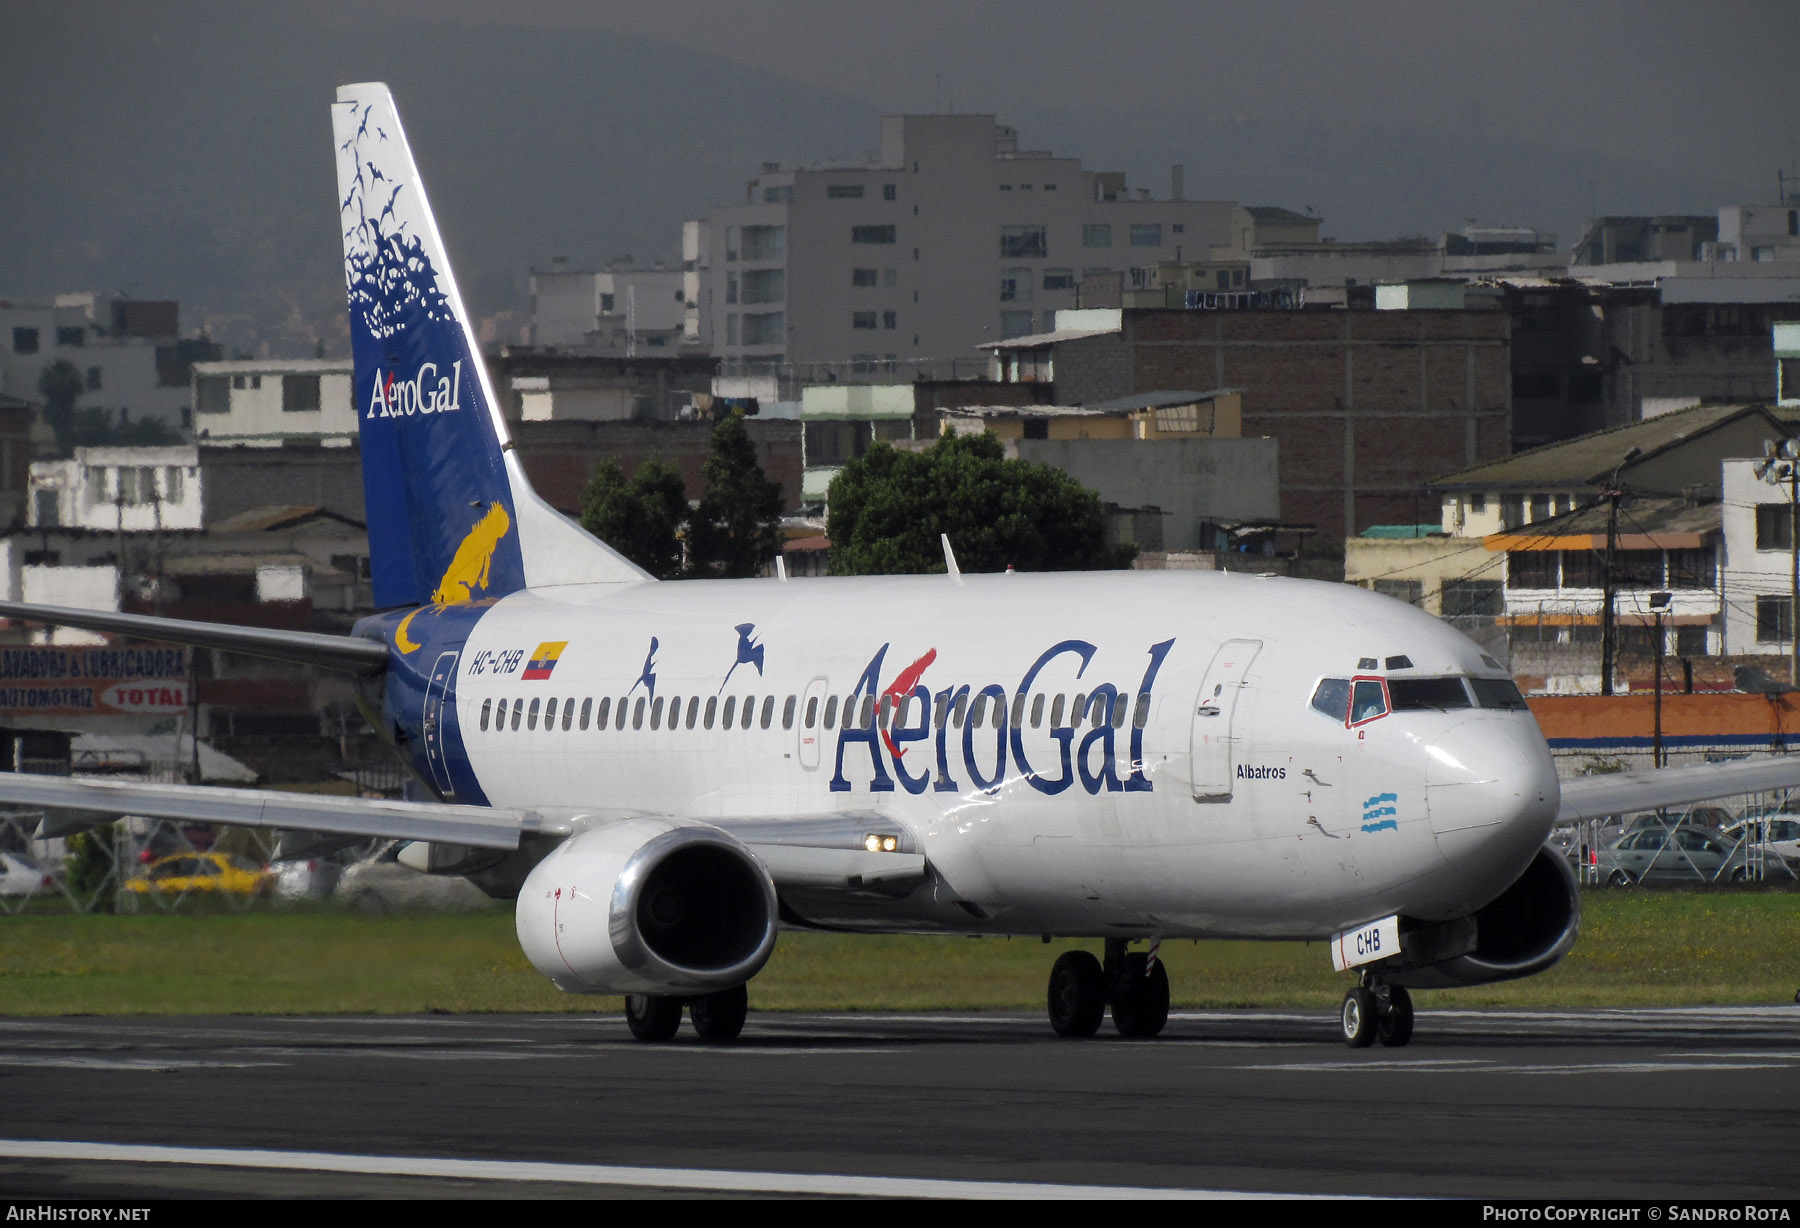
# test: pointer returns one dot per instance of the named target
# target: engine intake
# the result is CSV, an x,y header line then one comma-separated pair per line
x,y
648,906
1521,932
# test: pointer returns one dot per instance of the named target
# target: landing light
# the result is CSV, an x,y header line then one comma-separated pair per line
x,y
874,842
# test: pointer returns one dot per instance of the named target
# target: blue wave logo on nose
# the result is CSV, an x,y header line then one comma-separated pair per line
x,y
1382,804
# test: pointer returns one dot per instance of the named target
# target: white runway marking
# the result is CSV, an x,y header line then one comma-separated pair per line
x,y
126,1063
594,1174
1483,1066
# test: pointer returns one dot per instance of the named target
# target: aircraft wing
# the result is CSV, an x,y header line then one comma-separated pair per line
x,y
856,850
1593,797
339,652
829,852
98,801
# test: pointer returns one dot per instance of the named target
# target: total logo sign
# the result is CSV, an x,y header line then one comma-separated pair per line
x,y
427,392
145,696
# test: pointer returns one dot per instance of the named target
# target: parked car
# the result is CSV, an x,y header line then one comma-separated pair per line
x,y
1701,814
305,878
383,884
214,875
20,875
1780,833
1675,856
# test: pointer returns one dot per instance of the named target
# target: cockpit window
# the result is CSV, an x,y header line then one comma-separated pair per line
x,y
1420,694
1368,700
1332,697
1498,693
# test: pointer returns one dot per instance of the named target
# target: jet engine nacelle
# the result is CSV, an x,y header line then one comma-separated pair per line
x,y
1523,931
648,906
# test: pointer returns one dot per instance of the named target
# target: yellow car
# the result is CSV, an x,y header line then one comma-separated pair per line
x,y
213,874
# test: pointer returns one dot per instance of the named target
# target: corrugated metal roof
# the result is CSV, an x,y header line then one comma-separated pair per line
x,y
1028,411
1586,461
1163,400
1037,341
281,516
1644,524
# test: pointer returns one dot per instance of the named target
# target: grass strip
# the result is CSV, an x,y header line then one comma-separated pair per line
x,y
1638,948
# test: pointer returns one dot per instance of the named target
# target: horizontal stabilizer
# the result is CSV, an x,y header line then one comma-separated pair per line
x,y
475,826
1594,797
349,653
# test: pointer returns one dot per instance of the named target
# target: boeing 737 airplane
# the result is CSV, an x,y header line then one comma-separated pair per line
x,y
665,774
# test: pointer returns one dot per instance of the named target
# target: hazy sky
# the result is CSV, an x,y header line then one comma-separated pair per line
x,y
177,149
1710,86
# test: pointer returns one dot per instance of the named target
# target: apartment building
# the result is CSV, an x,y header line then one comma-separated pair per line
x,y
950,236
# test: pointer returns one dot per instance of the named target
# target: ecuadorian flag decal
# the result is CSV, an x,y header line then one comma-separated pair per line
x,y
544,659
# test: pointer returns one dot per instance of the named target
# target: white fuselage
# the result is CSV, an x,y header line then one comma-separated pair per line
x,y
1037,820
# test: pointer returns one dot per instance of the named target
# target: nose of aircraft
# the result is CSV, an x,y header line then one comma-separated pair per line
x,y
1491,792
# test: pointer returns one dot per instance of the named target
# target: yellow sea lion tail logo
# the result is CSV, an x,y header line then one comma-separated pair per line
x,y
468,570
404,642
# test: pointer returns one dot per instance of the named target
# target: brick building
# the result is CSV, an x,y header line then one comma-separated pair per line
x,y
1365,405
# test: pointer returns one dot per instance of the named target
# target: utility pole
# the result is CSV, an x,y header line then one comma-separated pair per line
x,y
1608,592
1659,605
1608,632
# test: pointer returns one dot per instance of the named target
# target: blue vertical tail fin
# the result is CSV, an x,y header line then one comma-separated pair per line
x,y
451,515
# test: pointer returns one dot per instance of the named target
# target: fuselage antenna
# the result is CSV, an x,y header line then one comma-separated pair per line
x,y
950,560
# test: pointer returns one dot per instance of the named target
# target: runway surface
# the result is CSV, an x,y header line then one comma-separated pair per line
x,y
1697,1103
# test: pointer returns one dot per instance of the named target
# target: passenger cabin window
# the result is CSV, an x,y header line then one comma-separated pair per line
x,y
487,710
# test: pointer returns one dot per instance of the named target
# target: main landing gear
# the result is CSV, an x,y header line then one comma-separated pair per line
x,y
1134,984
1377,1011
716,1017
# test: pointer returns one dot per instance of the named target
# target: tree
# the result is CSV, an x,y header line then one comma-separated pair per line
x,y
92,428
735,530
642,518
61,386
889,507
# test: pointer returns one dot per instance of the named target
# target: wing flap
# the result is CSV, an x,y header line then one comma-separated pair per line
x,y
1593,797
476,826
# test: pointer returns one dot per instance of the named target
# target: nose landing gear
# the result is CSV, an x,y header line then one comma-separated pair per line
x,y
1377,1011
1134,984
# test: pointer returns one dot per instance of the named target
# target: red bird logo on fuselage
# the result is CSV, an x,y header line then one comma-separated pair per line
x,y
903,687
